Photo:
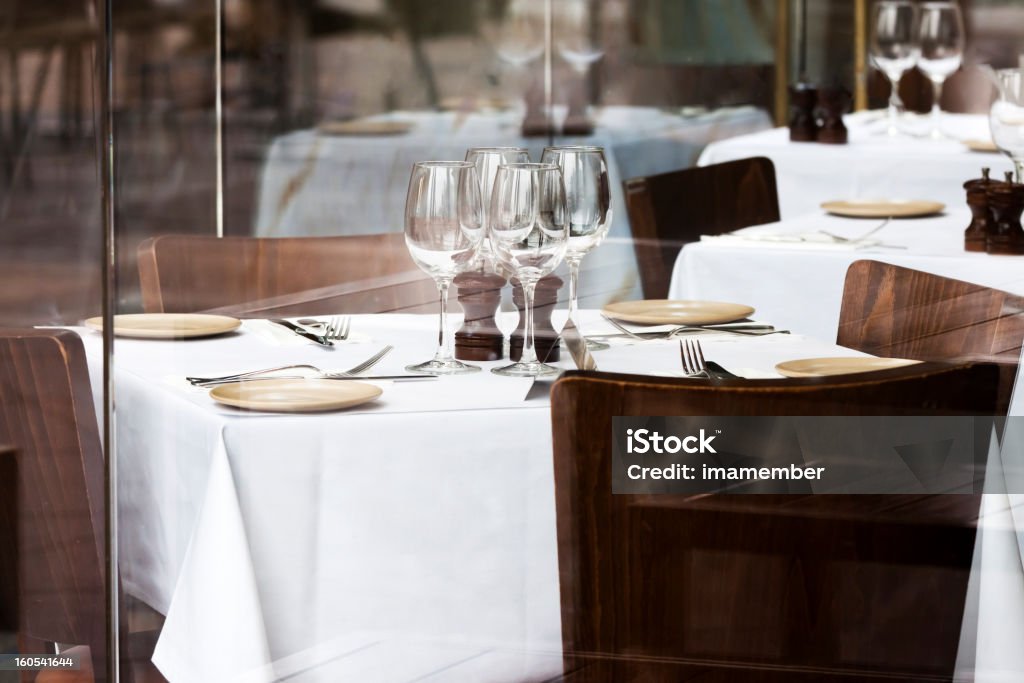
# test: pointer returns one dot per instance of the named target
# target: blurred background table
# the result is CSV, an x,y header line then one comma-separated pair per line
x,y
800,287
872,165
315,183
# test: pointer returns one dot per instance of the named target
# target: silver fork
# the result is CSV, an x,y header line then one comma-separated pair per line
x,y
751,330
869,233
354,370
692,357
338,327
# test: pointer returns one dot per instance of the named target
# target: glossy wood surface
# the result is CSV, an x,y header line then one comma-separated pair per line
x,y
47,413
669,210
188,273
8,539
898,312
754,587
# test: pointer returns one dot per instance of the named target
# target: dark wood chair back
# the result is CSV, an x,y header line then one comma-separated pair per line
x,y
898,312
668,586
669,210
8,540
188,273
47,413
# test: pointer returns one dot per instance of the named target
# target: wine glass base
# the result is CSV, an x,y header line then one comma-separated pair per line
x,y
443,367
534,369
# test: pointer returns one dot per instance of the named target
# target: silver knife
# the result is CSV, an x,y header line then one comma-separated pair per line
x,y
302,332
339,378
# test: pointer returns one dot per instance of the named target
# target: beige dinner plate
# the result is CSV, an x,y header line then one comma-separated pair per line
x,y
822,367
883,208
295,395
364,127
676,312
168,325
981,145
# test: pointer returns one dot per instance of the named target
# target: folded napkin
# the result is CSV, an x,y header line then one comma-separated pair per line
x,y
278,335
809,240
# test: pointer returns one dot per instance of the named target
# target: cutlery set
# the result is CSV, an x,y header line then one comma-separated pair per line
x,y
335,329
745,328
353,373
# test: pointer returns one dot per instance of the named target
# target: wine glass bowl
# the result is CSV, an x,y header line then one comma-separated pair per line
x,y
588,199
894,48
940,36
1006,117
487,160
443,230
528,228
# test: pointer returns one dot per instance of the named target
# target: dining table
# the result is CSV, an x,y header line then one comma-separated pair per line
x,y
793,271
873,164
409,538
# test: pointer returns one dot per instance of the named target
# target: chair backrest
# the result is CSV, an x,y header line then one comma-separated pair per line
x,y
47,413
188,273
8,540
669,210
756,579
897,312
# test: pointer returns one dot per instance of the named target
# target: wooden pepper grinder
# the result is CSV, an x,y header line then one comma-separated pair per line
x,y
479,338
976,235
803,127
833,103
1007,203
545,337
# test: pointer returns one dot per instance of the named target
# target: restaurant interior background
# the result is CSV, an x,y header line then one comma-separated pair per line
x,y
222,115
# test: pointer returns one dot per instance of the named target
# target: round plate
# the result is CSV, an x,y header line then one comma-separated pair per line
x,y
822,367
364,127
295,395
981,145
168,325
676,312
883,208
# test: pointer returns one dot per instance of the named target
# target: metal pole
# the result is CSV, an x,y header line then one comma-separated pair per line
x,y
781,62
218,68
105,68
549,106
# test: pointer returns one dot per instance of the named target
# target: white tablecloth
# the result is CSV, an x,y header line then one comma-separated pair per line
x,y
800,287
870,166
314,184
413,537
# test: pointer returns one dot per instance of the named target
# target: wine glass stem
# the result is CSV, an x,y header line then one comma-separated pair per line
x,y
894,101
574,278
936,109
529,354
444,338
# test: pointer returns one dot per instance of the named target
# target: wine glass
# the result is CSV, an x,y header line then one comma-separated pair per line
x,y
486,160
893,48
574,38
528,226
443,229
940,35
588,199
1006,117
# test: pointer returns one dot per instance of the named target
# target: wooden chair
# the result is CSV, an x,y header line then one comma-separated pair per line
x,y
47,413
188,273
897,312
8,540
669,210
758,587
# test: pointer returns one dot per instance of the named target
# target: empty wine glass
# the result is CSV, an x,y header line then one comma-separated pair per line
x,y
588,198
486,160
575,36
940,36
1006,117
894,49
443,229
528,229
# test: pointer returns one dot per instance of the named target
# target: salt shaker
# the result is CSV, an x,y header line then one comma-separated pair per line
x,y
976,235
